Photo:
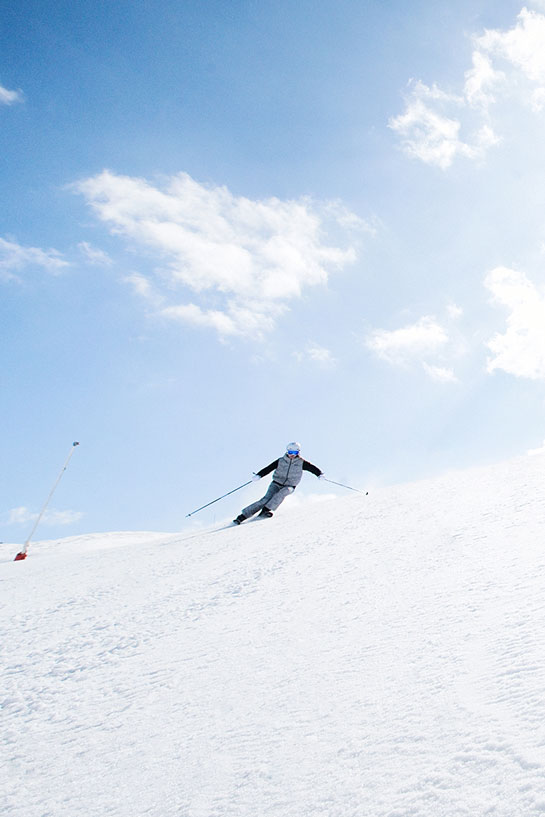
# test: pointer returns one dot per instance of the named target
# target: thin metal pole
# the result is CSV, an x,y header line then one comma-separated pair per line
x,y
345,486
218,499
46,503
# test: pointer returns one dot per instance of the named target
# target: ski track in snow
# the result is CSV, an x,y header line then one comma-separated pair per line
x,y
370,657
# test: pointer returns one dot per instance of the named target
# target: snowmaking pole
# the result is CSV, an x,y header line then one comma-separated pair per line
x,y
24,552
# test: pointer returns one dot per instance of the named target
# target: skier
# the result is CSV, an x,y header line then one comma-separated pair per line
x,y
288,471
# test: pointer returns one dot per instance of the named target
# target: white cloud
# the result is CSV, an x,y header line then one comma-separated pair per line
x,y
236,320
15,257
430,133
54,517
427,134
20,516
400,346
523,46
520,350
506,65
440,373
143,287
320,355
242,260
454,311
24,516
94,255
316,354
481,80
425,343
8,97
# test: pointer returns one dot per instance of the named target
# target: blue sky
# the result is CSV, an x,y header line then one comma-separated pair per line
x,y
228,226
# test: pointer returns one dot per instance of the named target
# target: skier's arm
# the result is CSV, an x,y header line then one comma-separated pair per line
x,y
268,469
308,466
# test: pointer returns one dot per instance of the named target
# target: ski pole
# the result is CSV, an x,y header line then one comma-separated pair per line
x,y
346,486
218,499
23,553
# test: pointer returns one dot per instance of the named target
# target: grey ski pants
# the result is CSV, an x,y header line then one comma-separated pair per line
x,y
274,497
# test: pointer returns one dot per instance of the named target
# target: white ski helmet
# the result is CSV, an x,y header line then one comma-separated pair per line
x,y
291,447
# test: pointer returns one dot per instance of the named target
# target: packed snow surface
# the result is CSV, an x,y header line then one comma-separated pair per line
x,y
379,656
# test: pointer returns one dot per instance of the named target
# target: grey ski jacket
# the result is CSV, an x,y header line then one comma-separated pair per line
x,y
289,470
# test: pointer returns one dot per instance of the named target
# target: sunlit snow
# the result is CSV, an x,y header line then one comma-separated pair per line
x,y
378,656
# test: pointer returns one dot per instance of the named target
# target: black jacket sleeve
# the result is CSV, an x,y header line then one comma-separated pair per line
x,y
268,469
308,466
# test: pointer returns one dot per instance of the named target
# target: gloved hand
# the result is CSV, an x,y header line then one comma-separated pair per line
x,y
256,478
322,476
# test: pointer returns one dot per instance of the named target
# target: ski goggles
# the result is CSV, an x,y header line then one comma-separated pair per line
x,y
292,453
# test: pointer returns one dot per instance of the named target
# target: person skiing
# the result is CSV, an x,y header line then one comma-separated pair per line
x,y
288,471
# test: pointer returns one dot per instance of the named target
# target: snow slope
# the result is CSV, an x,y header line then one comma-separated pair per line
x,y
379,656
